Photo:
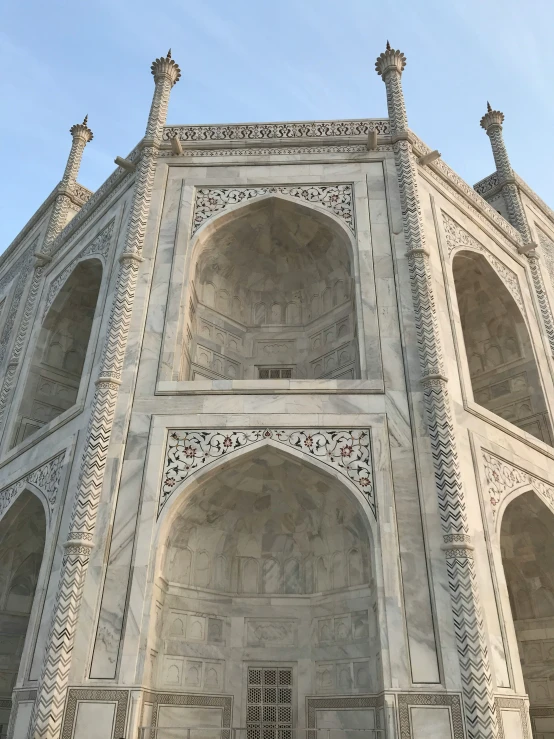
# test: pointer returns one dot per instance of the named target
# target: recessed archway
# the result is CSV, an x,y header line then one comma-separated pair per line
x,y
266,564
57,362
272,297
502,366
527,546
22,539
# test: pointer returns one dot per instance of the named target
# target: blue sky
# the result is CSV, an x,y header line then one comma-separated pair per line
x,y
256,60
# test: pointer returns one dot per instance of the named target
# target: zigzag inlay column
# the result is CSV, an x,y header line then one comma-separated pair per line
x,y
81,135
480,714
492,123
47,716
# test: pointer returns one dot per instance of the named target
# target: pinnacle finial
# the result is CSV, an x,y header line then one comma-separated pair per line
x,y
491,118
82,130
390,59
165,67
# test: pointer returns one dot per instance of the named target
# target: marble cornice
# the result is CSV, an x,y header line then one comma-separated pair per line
x,y
275,134
446,176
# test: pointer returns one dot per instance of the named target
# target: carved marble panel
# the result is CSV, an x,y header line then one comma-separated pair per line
x,y
347,451
502,477
47,478
338,199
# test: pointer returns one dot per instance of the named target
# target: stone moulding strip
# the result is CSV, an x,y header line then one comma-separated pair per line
x,y
502,477
224,702
347,451
277,131
93,695
338,199
274,150
407,700
342,703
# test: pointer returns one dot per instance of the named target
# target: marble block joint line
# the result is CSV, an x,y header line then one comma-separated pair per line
x,y
347,451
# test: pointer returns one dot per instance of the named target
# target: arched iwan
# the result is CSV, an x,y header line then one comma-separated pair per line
x,y
279,544
57,362
504,374
527,546
22,540
271,295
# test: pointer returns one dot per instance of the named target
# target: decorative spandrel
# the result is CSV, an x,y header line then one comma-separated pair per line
x,y
338,199
347,451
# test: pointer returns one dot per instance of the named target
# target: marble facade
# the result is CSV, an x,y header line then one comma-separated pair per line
x,y
276,440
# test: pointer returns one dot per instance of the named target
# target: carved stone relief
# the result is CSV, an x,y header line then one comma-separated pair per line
x,y
338,199
46,477
347,451
502,477
277,131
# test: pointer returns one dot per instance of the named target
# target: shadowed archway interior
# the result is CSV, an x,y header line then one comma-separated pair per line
x,y
527,543
504,373
22,538
57,364
267,562
272,297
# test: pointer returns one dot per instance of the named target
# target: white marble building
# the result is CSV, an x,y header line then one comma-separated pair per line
x,y
276,447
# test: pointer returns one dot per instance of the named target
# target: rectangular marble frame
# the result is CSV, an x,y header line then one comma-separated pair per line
x,y
516,705
99,695
248,175
406,701
151,486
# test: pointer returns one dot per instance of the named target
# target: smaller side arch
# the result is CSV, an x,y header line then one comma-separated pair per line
x,y
500,356
60,349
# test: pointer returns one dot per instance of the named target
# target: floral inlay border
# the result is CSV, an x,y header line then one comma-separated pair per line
x,y
502,477
348,451
338,199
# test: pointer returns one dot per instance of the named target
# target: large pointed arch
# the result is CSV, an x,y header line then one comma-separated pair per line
x,y
504,374
264,542
57,362
23,531
271,295
527,549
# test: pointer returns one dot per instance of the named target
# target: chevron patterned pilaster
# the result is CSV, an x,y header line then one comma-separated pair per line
x,y
492,123
478,699
81,135
46,721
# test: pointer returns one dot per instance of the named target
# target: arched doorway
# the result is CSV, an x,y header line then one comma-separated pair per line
x,y
59,355
503,369
527,545
265,592
22,538
272,297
